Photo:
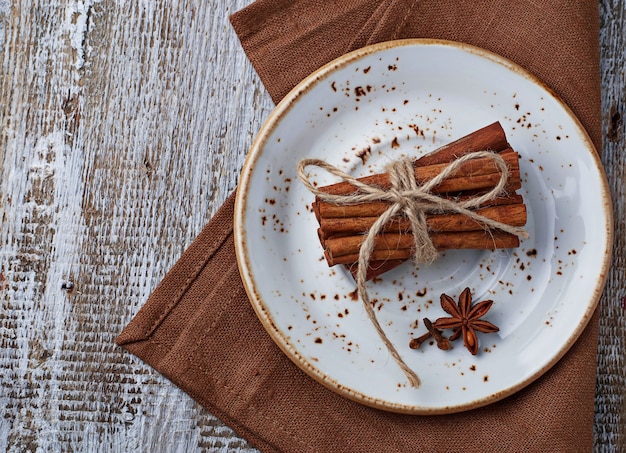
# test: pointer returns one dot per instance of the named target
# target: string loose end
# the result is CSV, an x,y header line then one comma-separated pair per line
x,y
414,380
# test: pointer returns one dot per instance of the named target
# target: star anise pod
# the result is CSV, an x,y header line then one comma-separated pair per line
x,y
465,319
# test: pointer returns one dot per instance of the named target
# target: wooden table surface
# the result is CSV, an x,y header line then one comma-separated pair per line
x,y
123,128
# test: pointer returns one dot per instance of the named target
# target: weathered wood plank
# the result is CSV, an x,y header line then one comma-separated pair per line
x,y
123,127
610,420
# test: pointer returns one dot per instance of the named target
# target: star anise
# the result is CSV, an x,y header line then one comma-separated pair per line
x,y
465,319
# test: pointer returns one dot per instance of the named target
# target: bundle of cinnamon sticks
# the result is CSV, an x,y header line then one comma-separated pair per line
x,y
342,228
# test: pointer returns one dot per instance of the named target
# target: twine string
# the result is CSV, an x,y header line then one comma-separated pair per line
x,y
406,196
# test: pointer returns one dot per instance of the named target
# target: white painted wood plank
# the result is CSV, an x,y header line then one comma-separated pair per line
x,y
124,128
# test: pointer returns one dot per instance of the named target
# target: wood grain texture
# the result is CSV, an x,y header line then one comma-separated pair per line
x,y
610,410
123,128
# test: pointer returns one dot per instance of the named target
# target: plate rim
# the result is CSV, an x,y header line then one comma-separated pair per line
x,y
240,234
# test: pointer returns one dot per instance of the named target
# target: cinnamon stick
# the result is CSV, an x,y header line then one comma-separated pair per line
x,y
475,174
488,138
324,209
512,214
400,246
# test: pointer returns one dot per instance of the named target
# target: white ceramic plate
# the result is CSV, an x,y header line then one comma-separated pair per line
x,y
407,98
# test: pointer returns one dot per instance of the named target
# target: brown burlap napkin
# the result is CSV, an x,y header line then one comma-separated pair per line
x,y
199,330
